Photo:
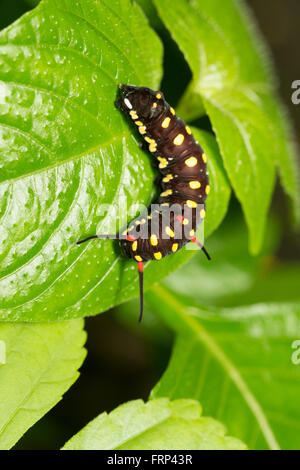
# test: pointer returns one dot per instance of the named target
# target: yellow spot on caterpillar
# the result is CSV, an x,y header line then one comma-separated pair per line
x,y
204,158
172,110
169,232
158,255
142,129
166,122
138,258
134,246
133,114
138,123
158,96
154,105
166,193
149,140
167,178
188,130
207,189
153,147
143,221
153,240
131,228
194,184
178,139
137,222
174,247
192,233
165,204
185,221
163,162
202,213
150,216
190,162
125,232
191,204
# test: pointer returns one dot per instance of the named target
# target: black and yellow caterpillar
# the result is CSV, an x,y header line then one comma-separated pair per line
x,y
172,221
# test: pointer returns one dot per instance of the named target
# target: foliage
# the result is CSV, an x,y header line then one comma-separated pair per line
x,y
231,76
233,361
66,150
41,364
158,424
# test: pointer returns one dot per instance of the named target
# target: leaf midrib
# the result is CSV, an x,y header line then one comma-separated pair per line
x,y
145,430
203,335
71,13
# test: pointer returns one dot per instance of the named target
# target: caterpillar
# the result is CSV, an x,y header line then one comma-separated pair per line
x,y
172,221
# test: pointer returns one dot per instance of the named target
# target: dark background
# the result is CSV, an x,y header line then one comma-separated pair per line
x,y
123,364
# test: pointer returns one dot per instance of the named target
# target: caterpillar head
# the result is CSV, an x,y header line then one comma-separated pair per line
x,y
146,103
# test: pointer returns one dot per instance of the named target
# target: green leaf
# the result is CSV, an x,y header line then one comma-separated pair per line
x,y
232,79
65,150
160,424
238,364
42,361
246,146
233,276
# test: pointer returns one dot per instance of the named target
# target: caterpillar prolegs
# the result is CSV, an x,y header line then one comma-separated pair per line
x,y
172,221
